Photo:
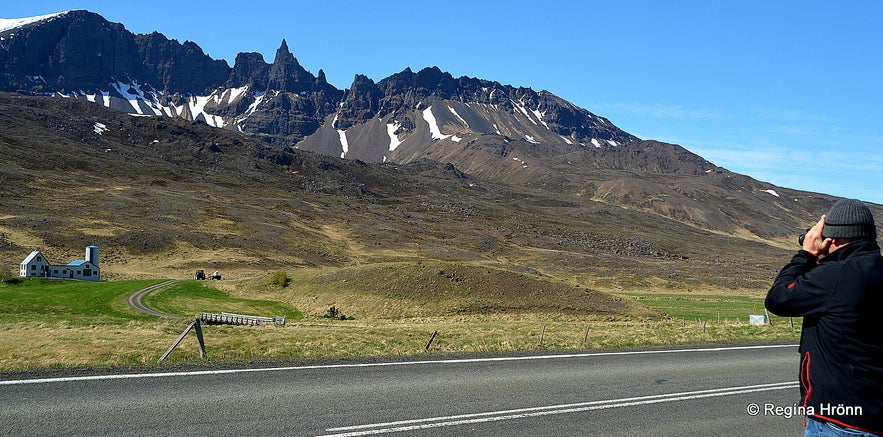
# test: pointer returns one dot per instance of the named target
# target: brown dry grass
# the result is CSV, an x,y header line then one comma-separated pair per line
x,y
63,345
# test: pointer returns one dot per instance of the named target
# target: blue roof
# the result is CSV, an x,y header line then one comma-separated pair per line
x,y
76,263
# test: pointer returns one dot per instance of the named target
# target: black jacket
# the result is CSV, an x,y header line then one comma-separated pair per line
x,y
840,297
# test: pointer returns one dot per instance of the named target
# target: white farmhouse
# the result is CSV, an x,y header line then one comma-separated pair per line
x,y
37,266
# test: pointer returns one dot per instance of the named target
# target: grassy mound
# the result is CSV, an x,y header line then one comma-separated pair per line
x,y
424,288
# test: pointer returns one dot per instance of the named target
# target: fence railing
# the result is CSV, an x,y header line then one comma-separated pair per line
x,y
239,319
220,319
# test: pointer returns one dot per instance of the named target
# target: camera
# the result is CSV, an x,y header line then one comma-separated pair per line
x,y
802,237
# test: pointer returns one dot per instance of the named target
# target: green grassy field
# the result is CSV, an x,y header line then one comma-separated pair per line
x,y
106,302
39,300
189,298
709,308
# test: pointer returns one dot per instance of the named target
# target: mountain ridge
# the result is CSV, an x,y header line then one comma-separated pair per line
x,y
178,79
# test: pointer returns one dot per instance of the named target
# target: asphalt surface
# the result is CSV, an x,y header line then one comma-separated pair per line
x,y
695,391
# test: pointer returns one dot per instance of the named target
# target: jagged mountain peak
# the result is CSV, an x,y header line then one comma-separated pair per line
x,y
286,73
428,81
284,55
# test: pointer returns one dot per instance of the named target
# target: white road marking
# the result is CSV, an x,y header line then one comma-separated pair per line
x,y
387,364
494,416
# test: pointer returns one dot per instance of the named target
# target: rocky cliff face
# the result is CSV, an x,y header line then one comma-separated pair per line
x,y
81,51
249,70
179,68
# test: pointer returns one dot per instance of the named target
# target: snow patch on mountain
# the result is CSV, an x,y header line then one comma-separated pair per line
x,y
539,115
433,126
196,106
258,98
143,100
134,95
520,107
234,94
14,23
454,111
100,128
391,129
344,144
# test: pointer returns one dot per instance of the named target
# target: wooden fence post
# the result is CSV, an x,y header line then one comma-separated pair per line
x,y
430,341
198,326
178,341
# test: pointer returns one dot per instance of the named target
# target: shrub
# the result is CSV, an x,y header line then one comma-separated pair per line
x,y
334,313
7,276
281,278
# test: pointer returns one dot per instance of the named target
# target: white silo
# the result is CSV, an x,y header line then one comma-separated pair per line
x,y
92,255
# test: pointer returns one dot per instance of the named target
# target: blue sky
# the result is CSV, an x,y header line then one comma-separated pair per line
x,y
787,92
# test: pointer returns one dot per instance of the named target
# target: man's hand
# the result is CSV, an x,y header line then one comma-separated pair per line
x,y
814,243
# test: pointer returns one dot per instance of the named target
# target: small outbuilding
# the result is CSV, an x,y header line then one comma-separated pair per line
x,y
37,266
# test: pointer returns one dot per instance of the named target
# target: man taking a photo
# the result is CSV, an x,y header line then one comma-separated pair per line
x,y
835,282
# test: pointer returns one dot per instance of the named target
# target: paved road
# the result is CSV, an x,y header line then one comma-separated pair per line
x,y
648,392
135,299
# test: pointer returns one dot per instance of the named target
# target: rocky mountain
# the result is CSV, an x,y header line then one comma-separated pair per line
x,y
79,54
482,128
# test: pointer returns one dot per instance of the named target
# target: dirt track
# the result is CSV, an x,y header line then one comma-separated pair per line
x,y
135,299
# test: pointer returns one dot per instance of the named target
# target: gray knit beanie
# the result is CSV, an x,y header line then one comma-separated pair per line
x,y
849,218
